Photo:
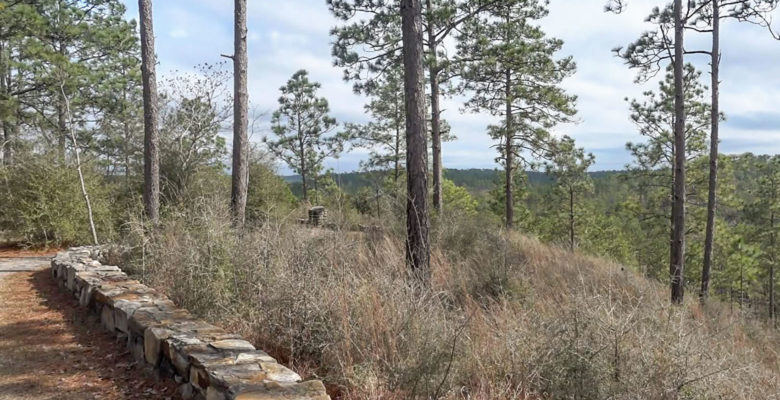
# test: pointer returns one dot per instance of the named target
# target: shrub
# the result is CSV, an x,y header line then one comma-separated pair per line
x,y
43,202
506,317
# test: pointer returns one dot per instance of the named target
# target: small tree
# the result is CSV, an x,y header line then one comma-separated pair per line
x,y
301,124
194,108
764,214
569,166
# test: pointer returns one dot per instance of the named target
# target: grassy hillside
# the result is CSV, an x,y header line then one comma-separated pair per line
x,y
506,317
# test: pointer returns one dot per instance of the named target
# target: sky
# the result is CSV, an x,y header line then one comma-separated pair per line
x,y
288,35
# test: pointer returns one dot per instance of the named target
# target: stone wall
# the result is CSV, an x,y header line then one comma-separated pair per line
x,y
208,362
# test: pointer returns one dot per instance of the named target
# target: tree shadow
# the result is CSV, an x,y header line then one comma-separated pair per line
x,y
50,348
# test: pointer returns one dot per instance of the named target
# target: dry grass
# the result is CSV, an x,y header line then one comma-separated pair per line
x,y
506,317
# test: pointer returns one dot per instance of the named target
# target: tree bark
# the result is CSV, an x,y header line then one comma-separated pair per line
x,y
302,150
677,262
151,140
433,73
571,219
5,145
240,173
417,244
509,206
62,129
772,245
713,179
397,160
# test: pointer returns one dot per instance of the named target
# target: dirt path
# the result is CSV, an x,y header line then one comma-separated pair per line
x,y
49,349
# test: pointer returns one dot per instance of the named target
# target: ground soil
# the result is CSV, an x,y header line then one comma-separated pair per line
x,y
51,349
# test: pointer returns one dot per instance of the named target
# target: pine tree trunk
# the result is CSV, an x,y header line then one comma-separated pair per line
x,y
433,73
151,140
773,260
509,206
713,179
62,129
571,219
302,150
677,262
6,139
417,245
240,173
397,155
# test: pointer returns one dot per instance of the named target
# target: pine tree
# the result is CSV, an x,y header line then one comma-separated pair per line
x,y
301,124
653,169
384,135
368,48
706,17
240,171
569,166
510,70
151,137
417,223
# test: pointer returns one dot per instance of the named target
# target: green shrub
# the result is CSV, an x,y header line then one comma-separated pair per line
x,y
43,202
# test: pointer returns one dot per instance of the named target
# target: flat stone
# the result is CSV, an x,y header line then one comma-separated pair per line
x,y
232,344
309,390
213,357
278,372
135,343
228,375
213,393
124,310
178,348
155,315
71,271
153,339
107,318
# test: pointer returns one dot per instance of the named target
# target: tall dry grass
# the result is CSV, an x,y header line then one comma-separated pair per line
x,y
506,316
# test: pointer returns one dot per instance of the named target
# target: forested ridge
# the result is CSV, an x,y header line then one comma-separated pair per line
x,y
541,278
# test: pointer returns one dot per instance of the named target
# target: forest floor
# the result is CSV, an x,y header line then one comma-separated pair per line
x,y
50,349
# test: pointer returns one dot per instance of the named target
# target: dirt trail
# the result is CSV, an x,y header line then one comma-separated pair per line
x,y
50,349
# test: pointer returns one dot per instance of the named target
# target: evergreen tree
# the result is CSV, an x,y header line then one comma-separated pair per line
x,y
653,169
240,170
151,137
384,135
301,124
509,67
418,251
569,166
367,48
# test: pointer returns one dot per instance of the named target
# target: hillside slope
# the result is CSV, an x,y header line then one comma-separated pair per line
x,y
506,316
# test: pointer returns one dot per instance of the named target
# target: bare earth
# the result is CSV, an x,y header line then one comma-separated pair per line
x,y
49,349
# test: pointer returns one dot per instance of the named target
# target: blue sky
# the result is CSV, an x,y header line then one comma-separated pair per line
x,y
288,35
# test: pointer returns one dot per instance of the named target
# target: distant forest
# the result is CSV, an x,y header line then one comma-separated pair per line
x,y
478,181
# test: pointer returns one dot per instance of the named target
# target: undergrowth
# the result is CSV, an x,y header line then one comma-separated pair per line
x,y
506,317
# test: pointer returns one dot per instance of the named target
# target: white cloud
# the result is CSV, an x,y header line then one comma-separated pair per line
x,y
179,33
293,34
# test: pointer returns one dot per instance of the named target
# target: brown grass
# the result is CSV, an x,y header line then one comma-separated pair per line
x,y
506,316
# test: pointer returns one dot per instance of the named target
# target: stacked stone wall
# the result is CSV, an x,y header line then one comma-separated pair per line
x,y
208,362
